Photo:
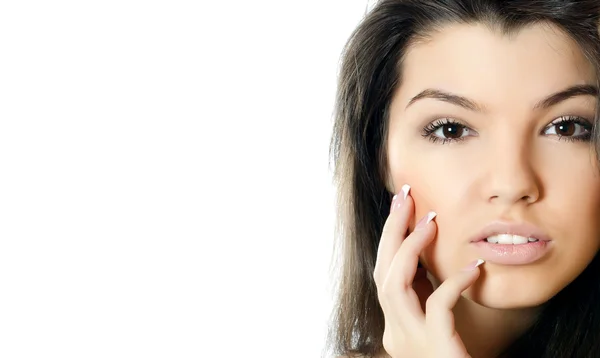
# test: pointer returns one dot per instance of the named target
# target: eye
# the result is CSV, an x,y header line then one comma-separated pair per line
x,y
447,130
570,128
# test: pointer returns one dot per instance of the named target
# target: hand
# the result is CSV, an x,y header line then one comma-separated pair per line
x,y
409,332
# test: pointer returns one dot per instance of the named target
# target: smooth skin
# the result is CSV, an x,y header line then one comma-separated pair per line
x,y
510,164
401,291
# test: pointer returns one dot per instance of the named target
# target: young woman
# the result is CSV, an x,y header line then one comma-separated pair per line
x,y
466,160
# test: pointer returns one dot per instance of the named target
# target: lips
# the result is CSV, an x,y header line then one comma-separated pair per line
x,y
511,244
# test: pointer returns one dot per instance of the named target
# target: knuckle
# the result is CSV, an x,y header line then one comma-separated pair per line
x,y
432,302
389,289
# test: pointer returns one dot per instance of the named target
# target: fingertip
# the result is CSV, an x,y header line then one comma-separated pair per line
x,y
401,200
405,190
473,265
430,216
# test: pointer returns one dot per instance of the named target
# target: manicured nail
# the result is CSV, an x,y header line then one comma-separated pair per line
x,y
405,190
398,199
393,206
425,220
473,265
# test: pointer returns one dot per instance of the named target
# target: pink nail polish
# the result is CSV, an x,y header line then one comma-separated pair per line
x,y
425,220
393,206
473,265
399,199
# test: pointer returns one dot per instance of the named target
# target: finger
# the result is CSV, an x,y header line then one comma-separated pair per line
x,y
393,233
404,264
398,282
439,318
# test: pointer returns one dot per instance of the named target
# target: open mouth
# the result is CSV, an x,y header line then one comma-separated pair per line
x,y
507,243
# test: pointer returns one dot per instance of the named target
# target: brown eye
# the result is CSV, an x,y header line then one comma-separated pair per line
x,y
452,131
569,127
565,129
447,130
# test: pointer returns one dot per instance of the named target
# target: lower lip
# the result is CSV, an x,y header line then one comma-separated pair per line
x,y
512,254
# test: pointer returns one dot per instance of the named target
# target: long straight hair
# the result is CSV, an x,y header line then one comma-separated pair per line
x,y
371,71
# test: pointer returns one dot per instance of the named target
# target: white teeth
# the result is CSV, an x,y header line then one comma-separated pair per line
x,y
492,239
509,239
506,239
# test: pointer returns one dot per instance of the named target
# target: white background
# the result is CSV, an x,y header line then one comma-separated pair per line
x,y
165,188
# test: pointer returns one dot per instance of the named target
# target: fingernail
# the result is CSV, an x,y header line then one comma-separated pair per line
x,y
405,190
473,265
398,200
425,220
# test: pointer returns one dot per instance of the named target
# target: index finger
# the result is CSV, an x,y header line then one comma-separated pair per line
x,y
394,232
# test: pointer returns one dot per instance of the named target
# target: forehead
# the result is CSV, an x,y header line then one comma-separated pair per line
x,y
490,66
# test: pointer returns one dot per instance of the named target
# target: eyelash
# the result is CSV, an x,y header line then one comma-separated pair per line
x,y
435,125
432,127
576,120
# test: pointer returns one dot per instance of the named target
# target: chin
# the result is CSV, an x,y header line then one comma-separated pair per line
x,y
501,293
505,302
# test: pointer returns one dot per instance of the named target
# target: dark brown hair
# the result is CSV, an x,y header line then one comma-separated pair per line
x,y
370,72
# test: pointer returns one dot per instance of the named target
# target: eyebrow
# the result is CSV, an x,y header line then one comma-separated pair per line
x,y
447,97
464,102
574,91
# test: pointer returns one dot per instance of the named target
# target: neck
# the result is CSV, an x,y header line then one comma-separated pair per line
x,y
487,332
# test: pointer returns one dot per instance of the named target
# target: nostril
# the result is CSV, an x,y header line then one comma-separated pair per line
x,y
529,199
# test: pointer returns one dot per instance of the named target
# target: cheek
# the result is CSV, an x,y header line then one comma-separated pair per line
x,y
448,253
437,187
571,205
399,165
575,218
434,185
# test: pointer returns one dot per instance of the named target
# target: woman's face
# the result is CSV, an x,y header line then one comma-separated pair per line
x,y
475,130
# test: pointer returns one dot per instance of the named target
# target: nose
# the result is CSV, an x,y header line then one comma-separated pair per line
x,y
511,177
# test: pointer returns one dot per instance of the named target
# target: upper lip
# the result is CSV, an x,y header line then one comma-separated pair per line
x,y
501,227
